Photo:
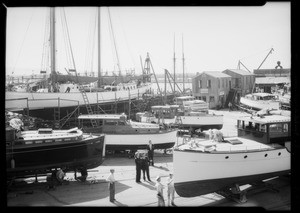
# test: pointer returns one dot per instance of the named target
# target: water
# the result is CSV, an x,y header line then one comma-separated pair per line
x,y
169,88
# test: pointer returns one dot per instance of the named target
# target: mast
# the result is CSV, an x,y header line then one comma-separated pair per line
x,y
174,64
52,46
183,81
99,52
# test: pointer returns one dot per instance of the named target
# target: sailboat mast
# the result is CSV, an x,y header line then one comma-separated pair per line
x,y
183,80
99,52
52,45
174,65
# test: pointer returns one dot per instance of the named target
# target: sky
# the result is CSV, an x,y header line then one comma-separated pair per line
x,y
211,38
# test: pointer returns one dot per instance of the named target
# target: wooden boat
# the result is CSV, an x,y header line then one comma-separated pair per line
x,y
260,151
259,101
123,134
40,151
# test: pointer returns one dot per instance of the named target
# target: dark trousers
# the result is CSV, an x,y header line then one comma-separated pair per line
x,y
111,187
151,161
138,174
146,170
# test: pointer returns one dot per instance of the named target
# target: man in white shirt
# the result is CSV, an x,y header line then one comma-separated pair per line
x,y
171,190
111,185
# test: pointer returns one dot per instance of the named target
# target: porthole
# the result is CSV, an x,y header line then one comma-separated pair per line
x,y
279,153
245,156
266,155
226,157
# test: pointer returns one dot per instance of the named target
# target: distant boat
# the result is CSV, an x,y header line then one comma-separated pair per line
x,y
40,151
259,101
261,150
123,134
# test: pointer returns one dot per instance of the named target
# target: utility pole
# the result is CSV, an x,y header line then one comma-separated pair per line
x,y
174,59
183,80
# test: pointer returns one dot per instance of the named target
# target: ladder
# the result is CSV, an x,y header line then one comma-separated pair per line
x,y
87,104
56,115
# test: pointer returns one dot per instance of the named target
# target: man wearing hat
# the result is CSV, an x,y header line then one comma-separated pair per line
x,y
171,190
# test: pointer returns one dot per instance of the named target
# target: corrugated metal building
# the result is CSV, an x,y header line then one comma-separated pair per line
x,y
212,87
272,72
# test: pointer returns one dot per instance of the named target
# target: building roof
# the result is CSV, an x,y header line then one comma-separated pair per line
x,y
240,72
215,74
272,80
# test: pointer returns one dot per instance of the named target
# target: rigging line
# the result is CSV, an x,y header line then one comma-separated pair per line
x,y
69,41
130,53
88,42
20,50
114,40
65,40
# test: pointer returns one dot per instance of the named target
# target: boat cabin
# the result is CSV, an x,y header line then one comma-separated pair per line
x,y
261,96
165,111
116,124
265,129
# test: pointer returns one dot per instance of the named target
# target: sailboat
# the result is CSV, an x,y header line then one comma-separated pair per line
x,y
69,95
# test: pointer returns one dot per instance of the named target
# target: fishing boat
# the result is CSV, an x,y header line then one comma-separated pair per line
x,y
124,134
40,151
66,92
261,150
259,101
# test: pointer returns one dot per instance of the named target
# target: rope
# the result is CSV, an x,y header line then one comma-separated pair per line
x,y
20,50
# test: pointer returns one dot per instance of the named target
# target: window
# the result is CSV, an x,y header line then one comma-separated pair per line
x,y
263,128
275,128
208,83
226,83
211,98
200,83
285,127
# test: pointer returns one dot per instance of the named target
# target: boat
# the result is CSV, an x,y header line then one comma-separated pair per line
x,y
259,101
66,92
123,134
209,164
32,152
194,114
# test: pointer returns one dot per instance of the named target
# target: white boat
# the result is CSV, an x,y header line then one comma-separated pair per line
x,y
194,114
123,134
261,151
258,101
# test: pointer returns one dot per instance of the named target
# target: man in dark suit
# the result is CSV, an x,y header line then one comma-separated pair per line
x,y
137,166
150,149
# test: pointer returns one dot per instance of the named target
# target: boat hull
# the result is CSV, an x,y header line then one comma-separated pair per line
x,y
16,101
199,173
163,140
87,153
204,122
259,105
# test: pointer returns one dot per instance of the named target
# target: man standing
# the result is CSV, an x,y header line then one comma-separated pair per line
x,y
111,185
160,194
171,190
137,167
150,149
145,167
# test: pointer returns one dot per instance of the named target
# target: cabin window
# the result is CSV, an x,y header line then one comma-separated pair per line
x,y
121,123
28,142
285,127
275,128
67,139
263,128
38,141
47,141
58,140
